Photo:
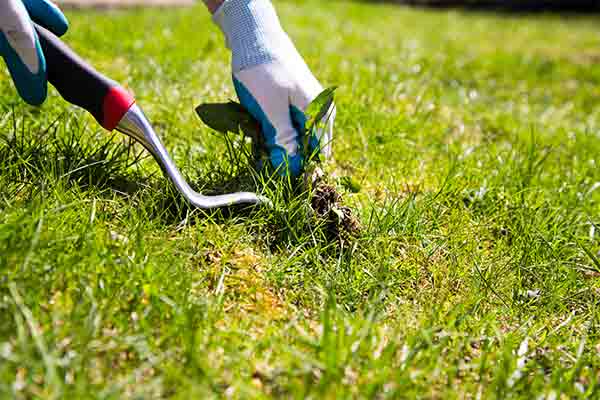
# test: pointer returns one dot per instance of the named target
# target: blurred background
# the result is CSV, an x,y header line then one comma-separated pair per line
x,y
581,5
509,5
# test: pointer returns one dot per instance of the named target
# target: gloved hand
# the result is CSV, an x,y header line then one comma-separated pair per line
x,y
272,81
20,47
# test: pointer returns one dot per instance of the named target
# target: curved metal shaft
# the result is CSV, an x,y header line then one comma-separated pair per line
x,y
136,125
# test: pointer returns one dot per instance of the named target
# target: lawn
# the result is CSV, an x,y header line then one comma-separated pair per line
x,y
471,140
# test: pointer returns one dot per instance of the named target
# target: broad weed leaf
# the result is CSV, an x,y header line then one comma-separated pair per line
x,y
315,113
230,117
319,107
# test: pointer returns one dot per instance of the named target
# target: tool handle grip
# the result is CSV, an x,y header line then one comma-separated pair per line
x,y
80,84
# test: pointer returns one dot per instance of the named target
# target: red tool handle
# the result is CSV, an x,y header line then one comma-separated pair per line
x,y
80,84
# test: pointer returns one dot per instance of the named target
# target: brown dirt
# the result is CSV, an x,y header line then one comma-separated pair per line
x,y
341,224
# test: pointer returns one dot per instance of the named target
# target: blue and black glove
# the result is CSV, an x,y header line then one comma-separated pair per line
x,y
20,47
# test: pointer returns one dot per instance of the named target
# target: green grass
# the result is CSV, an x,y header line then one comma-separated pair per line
x,y
474,138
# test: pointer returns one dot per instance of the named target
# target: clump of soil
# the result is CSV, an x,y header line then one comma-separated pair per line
x,y
341,224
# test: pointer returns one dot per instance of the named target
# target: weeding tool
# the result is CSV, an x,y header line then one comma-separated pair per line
x,y
115,109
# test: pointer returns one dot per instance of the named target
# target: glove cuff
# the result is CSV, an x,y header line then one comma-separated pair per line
x,y
252,31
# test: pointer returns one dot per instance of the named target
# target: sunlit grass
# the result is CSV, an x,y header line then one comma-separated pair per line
x,y
473,139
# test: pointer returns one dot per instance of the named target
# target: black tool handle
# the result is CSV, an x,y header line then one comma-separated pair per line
x,y
80,84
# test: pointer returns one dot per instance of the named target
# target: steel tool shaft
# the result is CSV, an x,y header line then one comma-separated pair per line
x,y
115,109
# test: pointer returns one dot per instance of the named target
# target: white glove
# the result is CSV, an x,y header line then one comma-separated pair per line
x,y
20,47
272,81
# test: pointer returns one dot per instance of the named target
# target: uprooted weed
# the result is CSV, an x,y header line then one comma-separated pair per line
x,y
327,210
340,223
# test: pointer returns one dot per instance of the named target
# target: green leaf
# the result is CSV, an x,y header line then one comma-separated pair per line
x,y
319,107
315,113
230,117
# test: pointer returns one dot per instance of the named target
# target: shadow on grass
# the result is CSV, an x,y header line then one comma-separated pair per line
x,y
506,6
66,155
107,165
75,157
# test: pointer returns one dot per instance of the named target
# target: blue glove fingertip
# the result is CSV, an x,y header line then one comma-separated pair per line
x,y
299,120
315,143
48,15
286,164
